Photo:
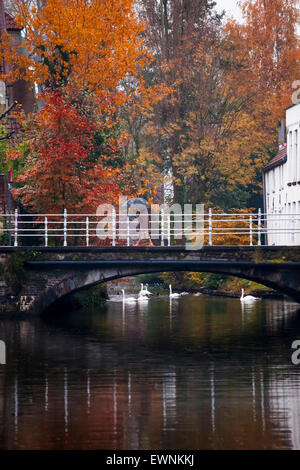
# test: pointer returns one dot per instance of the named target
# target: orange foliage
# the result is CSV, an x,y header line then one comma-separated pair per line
x,y
95,43
267,51
79,52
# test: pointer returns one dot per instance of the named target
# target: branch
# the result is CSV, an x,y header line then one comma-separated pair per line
x,y
2,116
7,136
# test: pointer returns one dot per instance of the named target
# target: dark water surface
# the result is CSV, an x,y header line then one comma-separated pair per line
x,y
196,373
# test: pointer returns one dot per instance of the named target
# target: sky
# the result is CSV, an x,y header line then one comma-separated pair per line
x,y
231,7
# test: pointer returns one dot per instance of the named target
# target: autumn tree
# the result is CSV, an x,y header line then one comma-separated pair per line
x,y
60,168
230,84
78,53
202,109
262,61
174,30
181,133
273,50
95,43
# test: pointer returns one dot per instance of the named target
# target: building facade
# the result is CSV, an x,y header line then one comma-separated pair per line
x,y
281,179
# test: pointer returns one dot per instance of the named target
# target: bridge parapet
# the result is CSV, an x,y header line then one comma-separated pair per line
x,y
231,253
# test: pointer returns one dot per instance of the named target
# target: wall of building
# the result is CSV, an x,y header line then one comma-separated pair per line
x,y
282,188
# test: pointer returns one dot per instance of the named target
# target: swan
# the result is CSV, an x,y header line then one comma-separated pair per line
x,y
144,291
248,298
173,296
129,300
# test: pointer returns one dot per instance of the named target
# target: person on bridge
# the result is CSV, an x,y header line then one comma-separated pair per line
x,y
141,205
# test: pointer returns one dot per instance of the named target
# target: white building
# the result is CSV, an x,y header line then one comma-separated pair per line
x,y
281,180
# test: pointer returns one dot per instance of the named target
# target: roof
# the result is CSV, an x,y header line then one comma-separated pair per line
x,y
280,158
292,106
11,25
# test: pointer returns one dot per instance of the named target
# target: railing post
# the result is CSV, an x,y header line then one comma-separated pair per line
x,y
113,227
9,204
210,226
251,230
128,230
46,231
16,228
169,230
259,227
162,228
87,231
293,228
65,227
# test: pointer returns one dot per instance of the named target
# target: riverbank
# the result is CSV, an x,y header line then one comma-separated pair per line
x,y
206,284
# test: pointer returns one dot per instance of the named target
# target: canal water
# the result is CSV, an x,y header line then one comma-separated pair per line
x,y
194,373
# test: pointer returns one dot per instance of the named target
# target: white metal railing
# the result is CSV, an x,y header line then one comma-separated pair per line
x,y
163,229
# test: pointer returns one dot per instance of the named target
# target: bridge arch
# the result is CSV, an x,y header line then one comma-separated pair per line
x,y
75,276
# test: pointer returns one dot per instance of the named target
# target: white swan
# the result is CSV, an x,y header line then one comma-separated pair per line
x,y
173,296
144,291
128,300
248,298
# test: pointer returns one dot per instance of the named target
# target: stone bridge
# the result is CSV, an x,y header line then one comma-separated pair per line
x,y
31,279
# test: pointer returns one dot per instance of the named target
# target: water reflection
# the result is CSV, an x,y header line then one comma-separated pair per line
x,y
195,373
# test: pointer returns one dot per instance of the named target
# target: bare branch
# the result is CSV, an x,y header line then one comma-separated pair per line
x,y
7,136
2,116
